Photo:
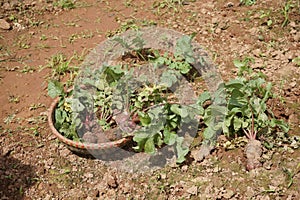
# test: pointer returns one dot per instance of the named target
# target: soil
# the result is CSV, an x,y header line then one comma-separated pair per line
x,y
35,165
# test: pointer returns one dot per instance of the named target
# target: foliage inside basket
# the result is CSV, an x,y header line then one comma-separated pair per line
x,y
156,115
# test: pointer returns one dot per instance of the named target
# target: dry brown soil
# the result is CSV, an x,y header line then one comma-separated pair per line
x,y
34,165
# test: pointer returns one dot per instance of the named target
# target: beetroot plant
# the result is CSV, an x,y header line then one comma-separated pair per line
x,y
245,111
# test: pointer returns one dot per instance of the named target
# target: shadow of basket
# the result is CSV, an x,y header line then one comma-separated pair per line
x,y
15,178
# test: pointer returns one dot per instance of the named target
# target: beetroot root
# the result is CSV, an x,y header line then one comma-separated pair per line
x,y
253,152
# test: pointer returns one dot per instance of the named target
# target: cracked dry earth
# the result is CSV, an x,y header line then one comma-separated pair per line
x,y
35,165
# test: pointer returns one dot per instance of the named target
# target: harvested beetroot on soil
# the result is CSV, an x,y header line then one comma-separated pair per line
x,y
253,152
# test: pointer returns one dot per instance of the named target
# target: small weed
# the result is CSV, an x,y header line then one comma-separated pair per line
x,y
12,69
296,61
98,20
86,34
13,18
247,18
291,175
62,45
24,45
128,3
64,4
27,69
266,15
21,191
60,65
83,4
124,26
35,23
132,24
148,23
285,11
55,25
36,106
247,2
83,34
23,42
6,54
169,5
271,44
10,176
14,99
80,57
35,130
42,46
72,24
9,119
37,120
72,38
43,37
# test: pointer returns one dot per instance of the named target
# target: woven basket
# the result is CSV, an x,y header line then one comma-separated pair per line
x,y
94,149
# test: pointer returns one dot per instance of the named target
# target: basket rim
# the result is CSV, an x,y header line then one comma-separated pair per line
x,y
80,145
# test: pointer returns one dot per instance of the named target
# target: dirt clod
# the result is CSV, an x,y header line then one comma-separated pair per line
x,y
4,24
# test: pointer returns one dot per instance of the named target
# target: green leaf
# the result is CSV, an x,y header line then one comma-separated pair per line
x,y
168,78
149,146
140,139
117,69
59,119
217,110
144,118
237,99
234,111
225,127
173,124
281,124
113,74
158,139
101,84
228,120
169,137
263,117
213,114
55,89
77,122
237,123
195,109
184,68
269,22
209,133
184,48
157,113
77,106
246,124
182,112
234,84
205,96
181,150
219,96
238,63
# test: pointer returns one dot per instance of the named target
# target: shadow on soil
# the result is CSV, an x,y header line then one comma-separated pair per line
x,y
15,177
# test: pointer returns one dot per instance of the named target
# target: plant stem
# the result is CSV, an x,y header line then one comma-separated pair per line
x,y
251,134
